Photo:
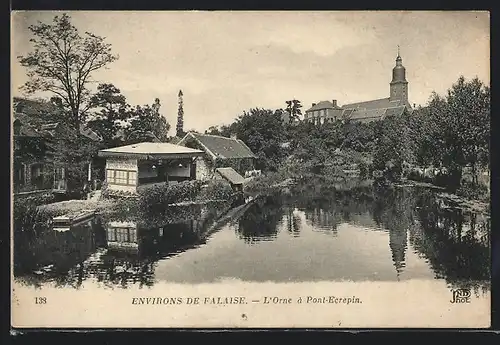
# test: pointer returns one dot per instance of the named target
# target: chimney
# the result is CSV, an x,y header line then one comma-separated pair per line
x,y
313,104
334,103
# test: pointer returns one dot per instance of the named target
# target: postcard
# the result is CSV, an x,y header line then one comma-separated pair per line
x,y
260,169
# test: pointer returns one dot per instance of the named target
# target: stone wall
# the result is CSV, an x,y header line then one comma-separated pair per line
x,y
203,171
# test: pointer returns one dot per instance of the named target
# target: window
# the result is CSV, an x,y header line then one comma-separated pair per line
x,y
132,177
121,177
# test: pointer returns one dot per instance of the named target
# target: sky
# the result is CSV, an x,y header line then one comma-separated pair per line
x,y
228,62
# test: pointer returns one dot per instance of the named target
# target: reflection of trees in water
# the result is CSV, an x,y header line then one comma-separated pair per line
x,y
293,222
333,207
260,221
75,255
323,219
53,253
112,268
455,243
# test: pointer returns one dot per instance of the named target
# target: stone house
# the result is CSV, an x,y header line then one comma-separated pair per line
x,y
220,152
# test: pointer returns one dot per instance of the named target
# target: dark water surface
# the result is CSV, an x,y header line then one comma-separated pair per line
x,y
356,235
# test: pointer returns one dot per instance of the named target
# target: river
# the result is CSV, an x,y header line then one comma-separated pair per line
x,y
356,235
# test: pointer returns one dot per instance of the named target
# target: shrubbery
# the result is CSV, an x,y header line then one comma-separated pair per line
x,y
215,190
160,195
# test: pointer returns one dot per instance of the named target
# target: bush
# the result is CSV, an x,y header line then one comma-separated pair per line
x,y
473,191
162,194
184,191
215,190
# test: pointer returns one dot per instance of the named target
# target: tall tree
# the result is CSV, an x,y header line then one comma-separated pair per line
x,y
262,131
180,117
111,108
62,62
456,129
293,110
394,145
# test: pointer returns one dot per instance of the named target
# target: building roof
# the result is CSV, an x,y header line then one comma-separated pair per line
x,y
220,147
175,140
374,104
322,105
35,125
147,150
372,114
231,175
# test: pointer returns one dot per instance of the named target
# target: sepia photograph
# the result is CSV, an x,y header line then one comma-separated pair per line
x,y
250,169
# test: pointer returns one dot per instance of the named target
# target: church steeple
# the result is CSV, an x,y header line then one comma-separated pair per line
x,y
399,85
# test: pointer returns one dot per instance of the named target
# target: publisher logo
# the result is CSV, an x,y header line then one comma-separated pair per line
x,y
460,296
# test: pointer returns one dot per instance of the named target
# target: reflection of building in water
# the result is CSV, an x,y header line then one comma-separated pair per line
x,y
398,240
179,226
122,235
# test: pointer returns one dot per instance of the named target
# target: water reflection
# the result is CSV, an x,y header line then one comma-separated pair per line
x,y
117,249
260,221
389,234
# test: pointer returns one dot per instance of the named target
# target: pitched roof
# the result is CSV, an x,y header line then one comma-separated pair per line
x,y
231,175
221,147
147,149
34,124
322,105
175,140
372,114
374,104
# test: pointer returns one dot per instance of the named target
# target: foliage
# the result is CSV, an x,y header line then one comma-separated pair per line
x,y
62,62
454,130
215,190
293,110
262,131
112,109
160,195
147,124
26,215
394,146
223,131
74,151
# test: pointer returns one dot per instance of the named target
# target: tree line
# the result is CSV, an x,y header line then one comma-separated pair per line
x,y
450,132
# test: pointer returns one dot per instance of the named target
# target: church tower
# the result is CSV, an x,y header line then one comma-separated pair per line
x,y
399,85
